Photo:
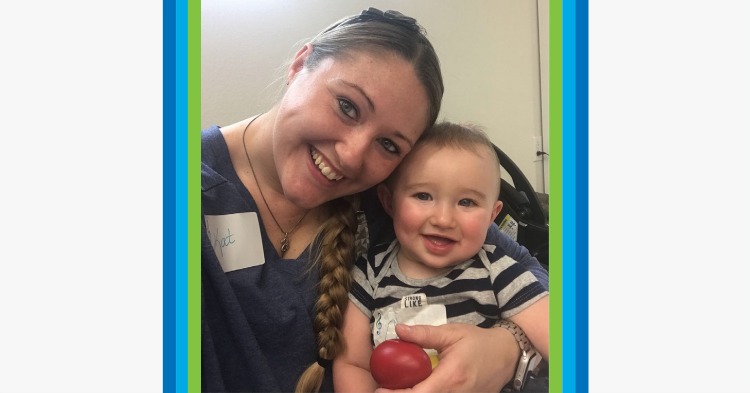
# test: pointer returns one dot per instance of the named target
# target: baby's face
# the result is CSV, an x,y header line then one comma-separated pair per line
x,y
443,202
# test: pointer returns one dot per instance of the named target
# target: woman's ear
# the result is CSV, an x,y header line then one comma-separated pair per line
x,y
299,62
386,198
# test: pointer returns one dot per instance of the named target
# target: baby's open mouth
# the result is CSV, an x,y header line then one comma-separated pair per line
x,y
329,173
439,240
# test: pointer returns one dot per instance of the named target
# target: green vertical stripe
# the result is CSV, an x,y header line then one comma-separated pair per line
x,y
555,198
194,201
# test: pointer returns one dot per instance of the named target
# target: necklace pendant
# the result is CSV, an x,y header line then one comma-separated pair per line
x,y
285,244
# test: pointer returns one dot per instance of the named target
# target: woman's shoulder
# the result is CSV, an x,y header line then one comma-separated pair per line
x,y
212,143
216,165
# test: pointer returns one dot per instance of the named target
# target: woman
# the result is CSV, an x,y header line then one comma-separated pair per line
x,y
280,201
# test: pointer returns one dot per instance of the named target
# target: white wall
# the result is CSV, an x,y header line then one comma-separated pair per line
x,y
489,52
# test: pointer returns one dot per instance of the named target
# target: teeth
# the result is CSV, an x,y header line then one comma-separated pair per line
x,y
324,169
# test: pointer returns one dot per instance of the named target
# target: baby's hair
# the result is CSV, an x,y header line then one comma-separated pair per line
x,y
458,135
464,136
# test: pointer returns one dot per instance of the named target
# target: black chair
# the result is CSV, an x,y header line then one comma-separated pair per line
x,y
522,203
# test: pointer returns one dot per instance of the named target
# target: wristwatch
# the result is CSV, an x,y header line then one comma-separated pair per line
x,y
529,361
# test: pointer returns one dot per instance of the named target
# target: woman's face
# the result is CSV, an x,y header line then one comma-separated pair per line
x,y
345,126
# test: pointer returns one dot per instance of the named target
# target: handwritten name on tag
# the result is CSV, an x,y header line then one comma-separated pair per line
x,y
236,240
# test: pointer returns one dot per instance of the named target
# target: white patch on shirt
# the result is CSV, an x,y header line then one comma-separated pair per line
x,y
236,240
386,318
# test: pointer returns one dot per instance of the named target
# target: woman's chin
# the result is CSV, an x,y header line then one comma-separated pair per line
x,y
309,197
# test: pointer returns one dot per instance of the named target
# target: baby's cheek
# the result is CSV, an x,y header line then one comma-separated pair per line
x,y
476,231
410,216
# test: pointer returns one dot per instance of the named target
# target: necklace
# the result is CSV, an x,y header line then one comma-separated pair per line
x,y
285,240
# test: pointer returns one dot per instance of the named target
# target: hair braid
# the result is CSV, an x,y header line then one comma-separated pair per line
x,y
334,257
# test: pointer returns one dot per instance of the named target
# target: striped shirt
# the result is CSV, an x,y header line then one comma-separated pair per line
x,y
480,291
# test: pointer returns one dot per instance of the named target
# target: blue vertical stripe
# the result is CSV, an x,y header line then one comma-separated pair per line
x,y
180,202
582,196
168,197
181,205
575,196
568,197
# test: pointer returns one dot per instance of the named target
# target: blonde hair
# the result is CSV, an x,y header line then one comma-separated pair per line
x,y
465,136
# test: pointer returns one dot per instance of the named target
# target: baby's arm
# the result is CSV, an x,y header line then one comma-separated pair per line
x,y
351,369
519,253
534,321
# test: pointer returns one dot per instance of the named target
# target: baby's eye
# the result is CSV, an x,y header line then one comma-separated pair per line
x,y
467,203
390,146
423,196
347,108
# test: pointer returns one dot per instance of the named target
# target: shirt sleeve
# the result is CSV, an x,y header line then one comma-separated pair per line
x,y
361,291
518,253
515,288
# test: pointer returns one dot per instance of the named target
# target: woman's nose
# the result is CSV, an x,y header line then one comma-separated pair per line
x,y
352,151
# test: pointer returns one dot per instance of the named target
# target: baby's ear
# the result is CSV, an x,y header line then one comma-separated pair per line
x,y
386,198
496,209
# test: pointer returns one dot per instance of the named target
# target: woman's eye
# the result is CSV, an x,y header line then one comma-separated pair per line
x,y
422,196
466,203
389,146
348,108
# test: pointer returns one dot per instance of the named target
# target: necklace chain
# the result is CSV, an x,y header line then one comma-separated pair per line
x,y
285,240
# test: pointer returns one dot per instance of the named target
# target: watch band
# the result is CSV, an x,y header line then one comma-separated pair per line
x,y
527,354
518,334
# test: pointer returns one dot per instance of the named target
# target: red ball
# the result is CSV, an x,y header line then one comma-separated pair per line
x,y
397,364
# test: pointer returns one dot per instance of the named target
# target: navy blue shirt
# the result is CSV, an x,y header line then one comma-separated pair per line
x,y
257,332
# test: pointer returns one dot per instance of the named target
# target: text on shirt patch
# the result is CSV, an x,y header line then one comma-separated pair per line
x,y
416,300
220,242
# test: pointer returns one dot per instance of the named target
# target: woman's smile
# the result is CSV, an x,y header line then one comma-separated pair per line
x,y
325,168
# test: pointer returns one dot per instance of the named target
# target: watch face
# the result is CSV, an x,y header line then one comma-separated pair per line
x,y
529,364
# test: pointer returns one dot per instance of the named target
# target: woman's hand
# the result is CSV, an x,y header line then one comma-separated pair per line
x,y
472,359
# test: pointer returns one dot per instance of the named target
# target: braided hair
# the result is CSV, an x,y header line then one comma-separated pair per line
x,y
334,258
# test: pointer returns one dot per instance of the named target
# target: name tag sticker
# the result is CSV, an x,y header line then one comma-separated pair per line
x,y
236,240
